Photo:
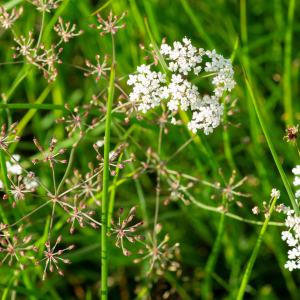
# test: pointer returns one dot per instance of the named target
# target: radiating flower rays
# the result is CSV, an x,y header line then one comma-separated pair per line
x,y
121,229
79,215
75,121
5,135
17,191
53,257
109,26
6,19
160,254
49,157
14,247
228,190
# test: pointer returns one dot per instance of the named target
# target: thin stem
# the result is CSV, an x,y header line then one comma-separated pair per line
x,y
194,179
14,62
55,189
51,222
230,215
71,65
157,188
79,185
113,194
67,170
212,260
178,150
115,109
104,246
248,271
203,77
41,31
32,212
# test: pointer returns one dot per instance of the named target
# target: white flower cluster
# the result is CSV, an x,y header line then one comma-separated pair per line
x,y
292,236
207,111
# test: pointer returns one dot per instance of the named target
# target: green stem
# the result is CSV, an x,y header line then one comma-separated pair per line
x,y
254,255
104,262
157,188
211,263
113,194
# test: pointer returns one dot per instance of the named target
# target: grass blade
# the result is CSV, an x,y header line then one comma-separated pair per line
x,y
276,159
254,255
155,47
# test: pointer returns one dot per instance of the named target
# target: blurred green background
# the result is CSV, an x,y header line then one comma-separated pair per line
x,y
268,50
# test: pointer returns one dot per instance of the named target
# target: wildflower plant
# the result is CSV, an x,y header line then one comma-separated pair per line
x,y
150,123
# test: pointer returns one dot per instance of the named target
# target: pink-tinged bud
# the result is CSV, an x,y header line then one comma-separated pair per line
x,y
118,243
14,205
124,25
113,173
108,234
71,247
94,225
142,47
120,166
64,161
137,260
60,272
51,268
66,261
3,127
72,229
62,151
102,33
35,161
22,267
44,276
125,252
59,239
130,218
141,251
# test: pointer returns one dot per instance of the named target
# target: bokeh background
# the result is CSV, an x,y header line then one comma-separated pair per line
x,y
268,50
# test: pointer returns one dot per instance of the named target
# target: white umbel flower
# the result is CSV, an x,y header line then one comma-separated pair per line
x,y
148,88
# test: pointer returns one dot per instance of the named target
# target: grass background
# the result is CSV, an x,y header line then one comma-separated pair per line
x,y
267,50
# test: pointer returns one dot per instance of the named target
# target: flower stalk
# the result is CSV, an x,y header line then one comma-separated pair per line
x,y
248,271
106,172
